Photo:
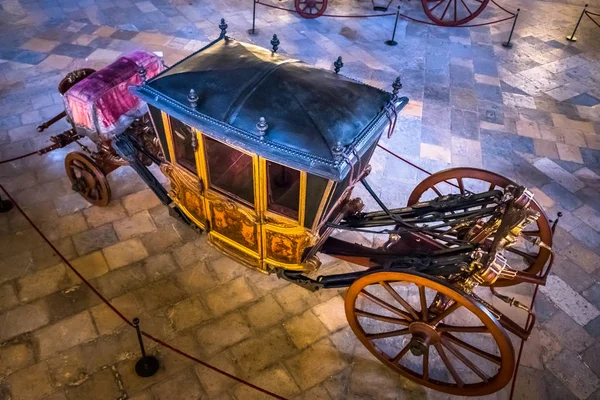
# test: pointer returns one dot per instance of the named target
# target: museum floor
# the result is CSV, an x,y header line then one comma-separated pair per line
x,y
530,113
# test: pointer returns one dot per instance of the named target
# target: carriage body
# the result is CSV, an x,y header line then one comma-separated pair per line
x,y
263,152
263,189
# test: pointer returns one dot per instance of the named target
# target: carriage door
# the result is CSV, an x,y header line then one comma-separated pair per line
x,y
231,197
283,209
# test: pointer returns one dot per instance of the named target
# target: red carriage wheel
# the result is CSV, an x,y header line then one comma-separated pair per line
x,y
310,8
453,12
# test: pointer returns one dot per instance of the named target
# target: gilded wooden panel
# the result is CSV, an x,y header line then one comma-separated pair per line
x,y
234,222
286,247
186,191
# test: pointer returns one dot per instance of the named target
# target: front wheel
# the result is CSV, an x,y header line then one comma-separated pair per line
x,y
430,332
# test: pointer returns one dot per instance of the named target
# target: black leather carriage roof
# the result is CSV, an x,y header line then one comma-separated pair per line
x,y
309,111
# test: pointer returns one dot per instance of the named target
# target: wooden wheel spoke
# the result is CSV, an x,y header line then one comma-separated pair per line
x,y
465,360
455,12
455,306
528,256
426,364
436,190
462,329
385,305
436,6
461,185
481,353
423,301
445,11
383,318
399,356
383,335
467,7
531,233
449,365
399,299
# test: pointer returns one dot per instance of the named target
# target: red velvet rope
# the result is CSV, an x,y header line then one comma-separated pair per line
x,y
326,15
117,312
593,20
400,14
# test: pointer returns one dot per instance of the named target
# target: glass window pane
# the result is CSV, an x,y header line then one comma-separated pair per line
x,y
283,191
229,170
182,144
315,190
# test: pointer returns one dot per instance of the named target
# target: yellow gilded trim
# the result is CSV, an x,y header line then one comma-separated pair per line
x,y
321,209
302,204
168,136
188,214
234,244
293,267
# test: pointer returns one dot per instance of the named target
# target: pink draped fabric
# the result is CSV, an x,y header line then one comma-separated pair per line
x,y
101,103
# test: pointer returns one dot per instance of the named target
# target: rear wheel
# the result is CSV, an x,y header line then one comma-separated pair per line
x,y
430,333
526,257
87,178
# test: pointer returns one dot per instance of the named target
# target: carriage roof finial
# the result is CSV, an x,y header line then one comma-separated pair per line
x,y
193,98
337,150
223,27
262,127
338,64
275,43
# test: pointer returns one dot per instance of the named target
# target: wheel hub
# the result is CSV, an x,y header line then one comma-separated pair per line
x,y
423,336
79,185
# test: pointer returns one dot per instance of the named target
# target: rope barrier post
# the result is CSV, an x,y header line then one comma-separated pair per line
x,y
508,44
392,42
5,205
253,31
572,37
147,365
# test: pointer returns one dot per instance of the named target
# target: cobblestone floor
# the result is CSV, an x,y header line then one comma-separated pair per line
x,y
530,113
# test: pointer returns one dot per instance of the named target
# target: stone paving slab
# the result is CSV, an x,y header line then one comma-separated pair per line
x,y
530,113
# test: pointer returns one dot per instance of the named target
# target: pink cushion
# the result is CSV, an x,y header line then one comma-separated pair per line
x,y
102,102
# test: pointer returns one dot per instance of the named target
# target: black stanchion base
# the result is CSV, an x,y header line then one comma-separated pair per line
x,y
252,31
391,42
146,366
508,45
571,38
5,206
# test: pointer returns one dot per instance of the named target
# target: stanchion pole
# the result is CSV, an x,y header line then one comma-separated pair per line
x,y
392,42
5,205
253,31
508,44
147,365
572,37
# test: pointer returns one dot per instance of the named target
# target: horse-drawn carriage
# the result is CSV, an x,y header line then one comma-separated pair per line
x,y
440,12
263,152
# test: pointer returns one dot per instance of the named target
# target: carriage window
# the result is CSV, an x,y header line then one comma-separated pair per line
x,y
160,130
283,191
183,148
229,170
